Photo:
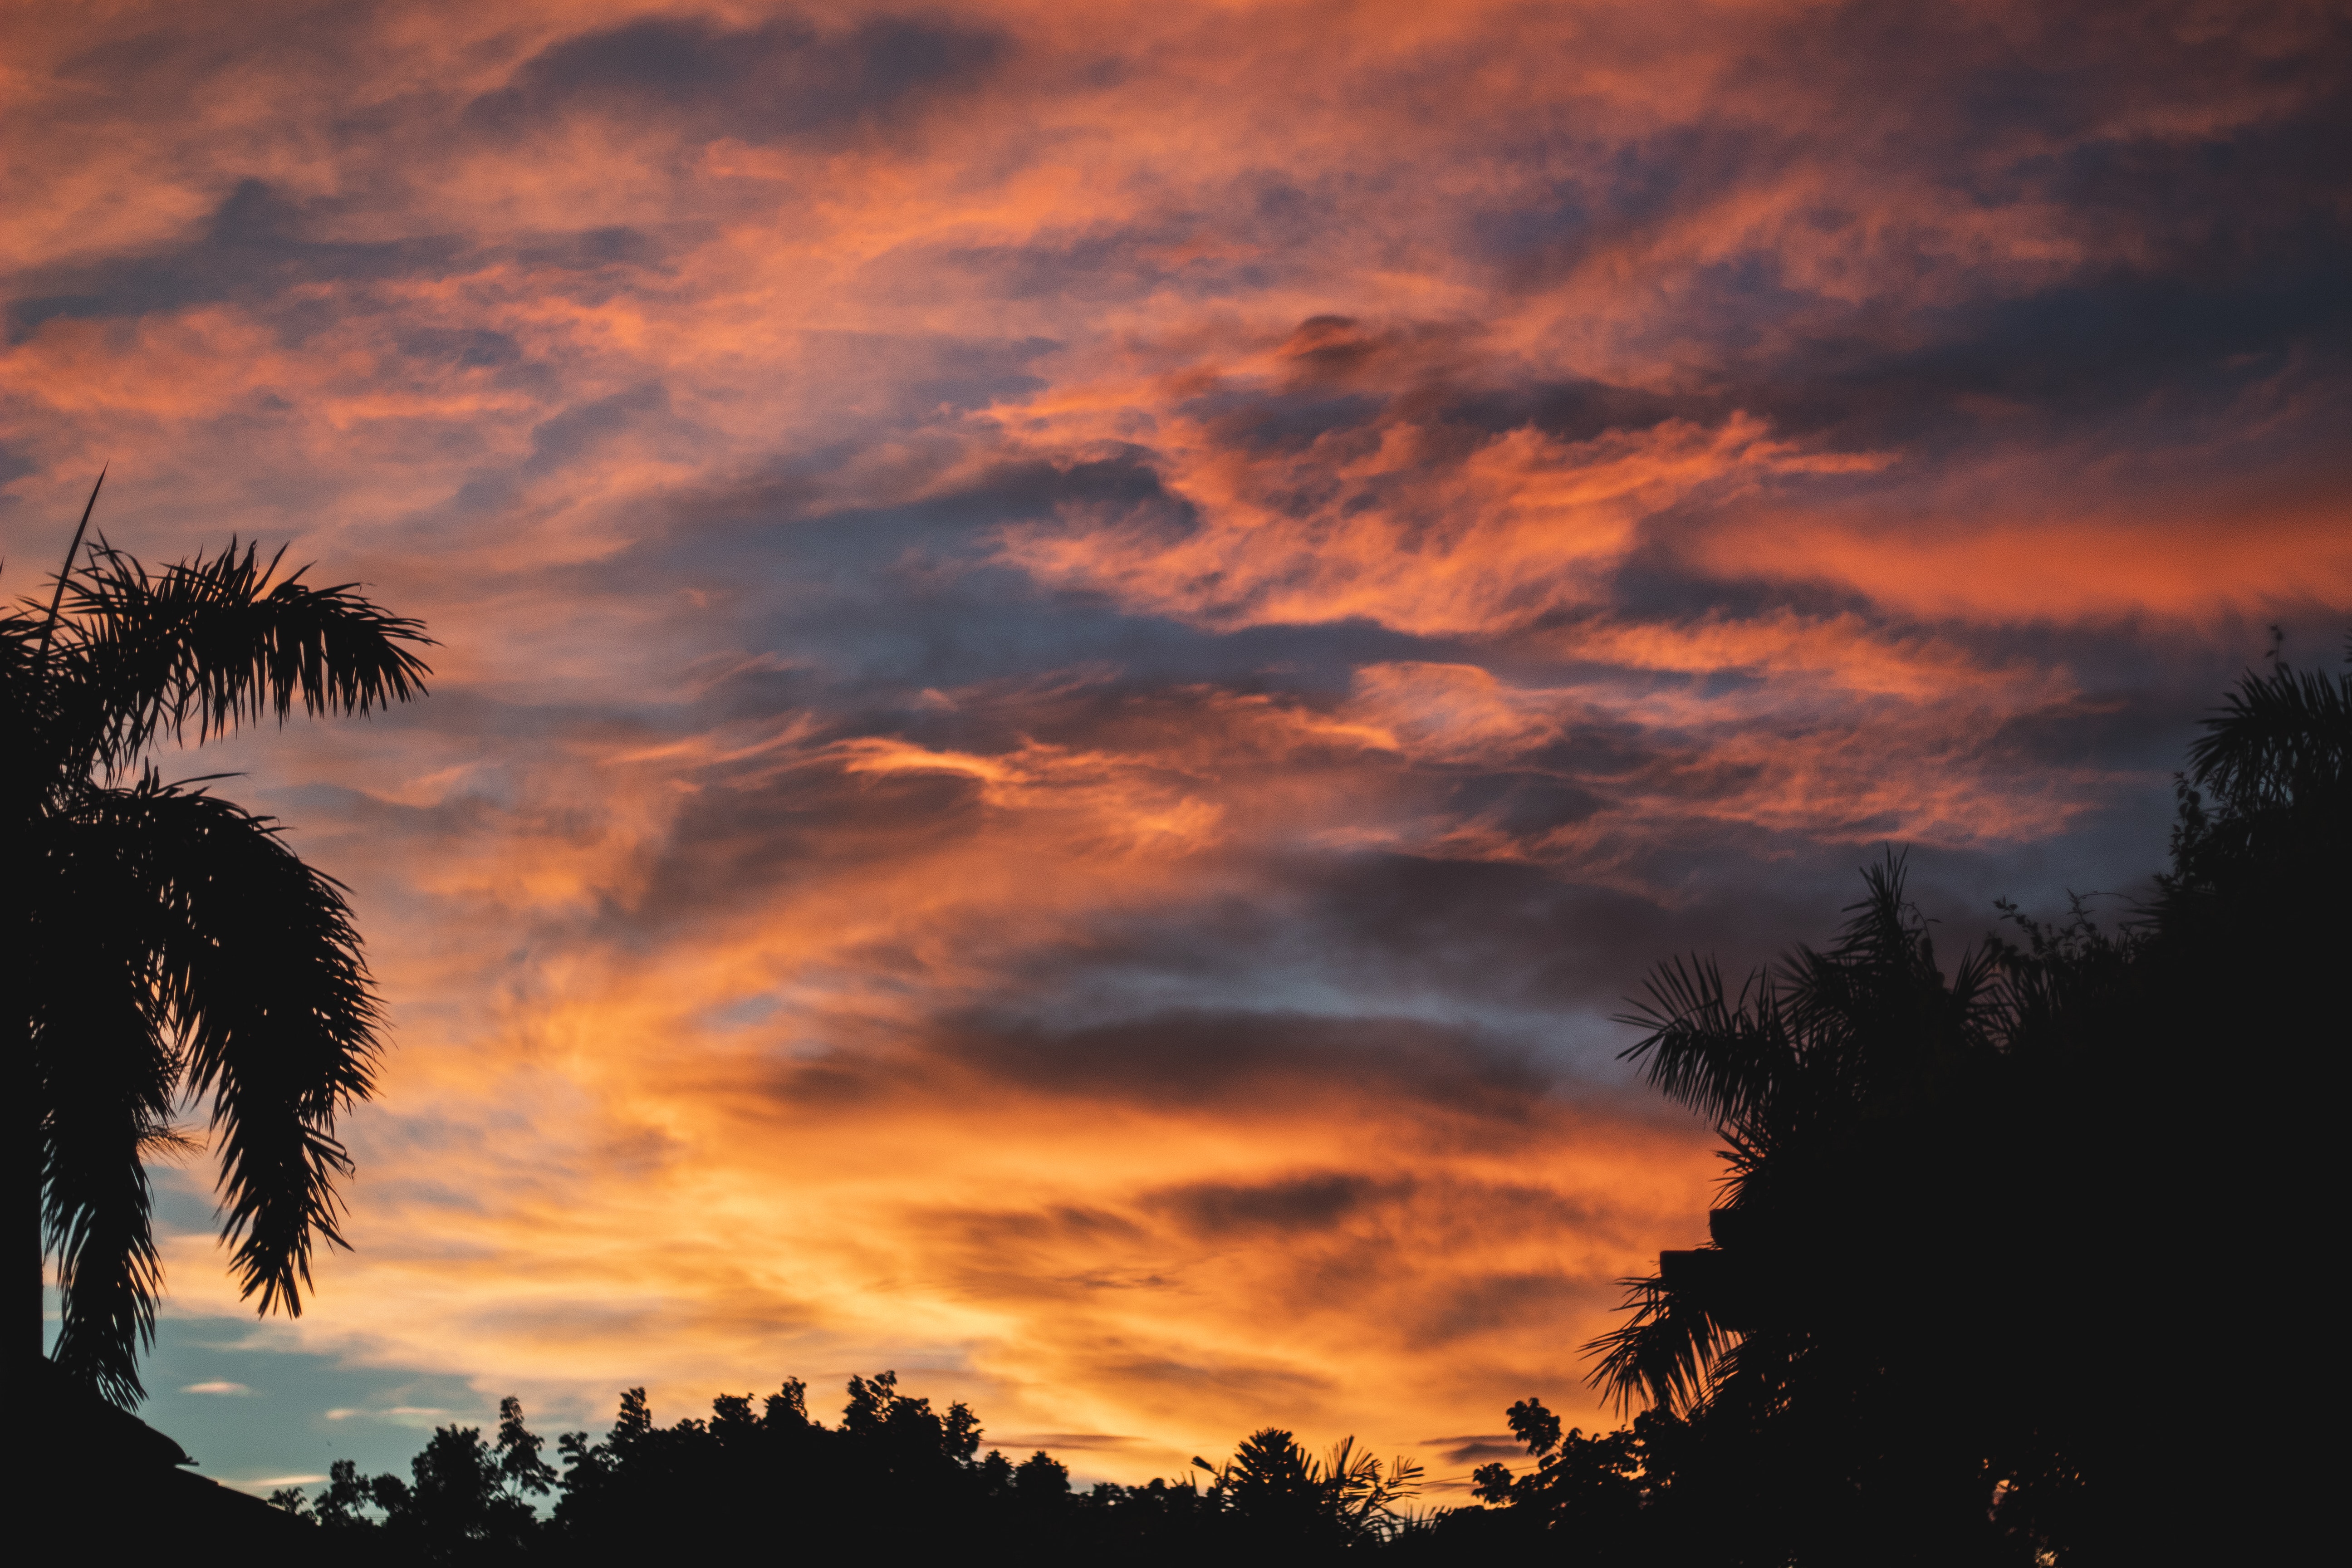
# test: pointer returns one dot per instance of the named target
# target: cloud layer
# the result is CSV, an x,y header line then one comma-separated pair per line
x,y
1081,652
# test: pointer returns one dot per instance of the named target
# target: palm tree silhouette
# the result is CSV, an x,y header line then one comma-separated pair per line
x,y
171,948
1348,1496
1797,1070
2268,786
1942,1255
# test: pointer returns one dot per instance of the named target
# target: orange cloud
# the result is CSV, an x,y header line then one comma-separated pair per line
x,y
1391,526
1080,648
2243,554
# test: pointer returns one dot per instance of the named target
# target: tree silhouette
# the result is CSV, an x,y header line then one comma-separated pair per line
x,y
1283,1494
1590,1484
467,1497
170,944
1798,1071
896,1481
2267,803
1938,1282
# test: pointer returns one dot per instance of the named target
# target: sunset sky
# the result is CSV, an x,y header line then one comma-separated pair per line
x,y
1082,648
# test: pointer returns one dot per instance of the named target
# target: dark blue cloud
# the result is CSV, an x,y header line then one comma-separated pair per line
x,y
781,81
579,428
1305,1202
260,246
1234,1058
255,246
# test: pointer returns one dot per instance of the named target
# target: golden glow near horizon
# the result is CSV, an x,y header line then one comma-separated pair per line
x,y
1083,647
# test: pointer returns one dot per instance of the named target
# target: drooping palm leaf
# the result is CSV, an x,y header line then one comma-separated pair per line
x,y
96,1208
260,968
1664,1353
98,1040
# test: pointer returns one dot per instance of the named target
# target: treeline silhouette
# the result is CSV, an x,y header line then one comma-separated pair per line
x,y
895,1480
898,1481
1968,1299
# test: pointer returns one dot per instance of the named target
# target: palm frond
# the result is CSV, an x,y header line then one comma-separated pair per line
x,y
73,554
261,971
28,703
1721,1056
1881,963
1982,1006
1754,1375
1664,1355
2279,738
216,643
1365,1496
1884,929
96,1209
104,1072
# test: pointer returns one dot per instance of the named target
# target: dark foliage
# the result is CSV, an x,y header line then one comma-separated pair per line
x,y
895,1481
1933,1302
1928,1325
168,945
